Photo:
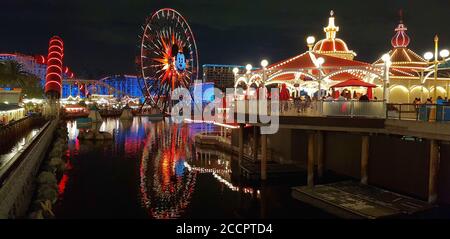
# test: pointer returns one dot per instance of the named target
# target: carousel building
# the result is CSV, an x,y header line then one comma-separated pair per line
x,y
328,67
410,75
327,63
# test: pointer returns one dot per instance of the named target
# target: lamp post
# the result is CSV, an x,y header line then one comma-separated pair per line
x,y
235,72
320,62
429,55
310,42
387,63
264,64
249,68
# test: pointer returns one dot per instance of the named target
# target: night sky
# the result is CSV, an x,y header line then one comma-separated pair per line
x,y
101,36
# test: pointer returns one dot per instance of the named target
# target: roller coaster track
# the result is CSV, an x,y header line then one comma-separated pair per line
x,y
111,90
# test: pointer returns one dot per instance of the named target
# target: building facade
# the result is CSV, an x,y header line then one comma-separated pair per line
x,y
221,75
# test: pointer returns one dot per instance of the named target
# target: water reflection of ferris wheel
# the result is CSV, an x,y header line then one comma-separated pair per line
x,y
166,184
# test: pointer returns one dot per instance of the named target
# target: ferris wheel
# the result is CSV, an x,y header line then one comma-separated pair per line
x,y
168,57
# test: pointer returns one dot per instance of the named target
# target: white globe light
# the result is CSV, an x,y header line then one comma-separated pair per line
x,y
310,40
320,61
386,57
444,53
248,67
428,56
264,63
235,70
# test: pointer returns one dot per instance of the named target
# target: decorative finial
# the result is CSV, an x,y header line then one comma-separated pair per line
x,y
400,39
331,29
400,14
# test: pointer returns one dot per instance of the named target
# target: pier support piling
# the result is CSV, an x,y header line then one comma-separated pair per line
x,y
433,173
255,143
319,153
263,156
364,158
310,160
241,143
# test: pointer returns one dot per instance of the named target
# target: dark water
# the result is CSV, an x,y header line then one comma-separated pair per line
x,y
153,170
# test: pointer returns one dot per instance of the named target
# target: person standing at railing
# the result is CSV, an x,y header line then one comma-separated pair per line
x,y
284,97
297,103
364,98
417,103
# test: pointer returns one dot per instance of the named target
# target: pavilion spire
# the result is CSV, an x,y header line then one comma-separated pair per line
x,y
400,39
331,29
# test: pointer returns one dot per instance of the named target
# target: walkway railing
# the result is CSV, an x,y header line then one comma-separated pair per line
x,y
369,109
354,109
419,112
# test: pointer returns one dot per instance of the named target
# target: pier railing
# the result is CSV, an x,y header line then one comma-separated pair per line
x,y
355,109
419,112
369,109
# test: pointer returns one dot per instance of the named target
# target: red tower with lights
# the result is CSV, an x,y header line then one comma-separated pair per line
x,y
53,79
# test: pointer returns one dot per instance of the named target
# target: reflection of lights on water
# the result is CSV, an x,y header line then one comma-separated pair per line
x,y
179,168
235,188
62,184
20,146
72,130
206,170
167,192
109,125
215,172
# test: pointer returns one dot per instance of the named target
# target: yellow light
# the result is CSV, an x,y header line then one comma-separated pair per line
x,y
264,63
444,53
310,40
428,56
320,61
248,67
386,58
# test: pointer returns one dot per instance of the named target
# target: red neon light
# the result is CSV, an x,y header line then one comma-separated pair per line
x,y
52,82
59,47
51,66
56,39
54,66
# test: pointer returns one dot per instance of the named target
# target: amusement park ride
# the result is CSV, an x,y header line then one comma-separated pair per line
x,y
168,59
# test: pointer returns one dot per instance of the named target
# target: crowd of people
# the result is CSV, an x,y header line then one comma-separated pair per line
x,y
439,101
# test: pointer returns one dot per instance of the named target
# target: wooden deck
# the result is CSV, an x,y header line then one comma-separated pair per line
x,y
354,200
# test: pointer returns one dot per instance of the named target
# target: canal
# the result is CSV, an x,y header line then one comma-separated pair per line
x,y
153,170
